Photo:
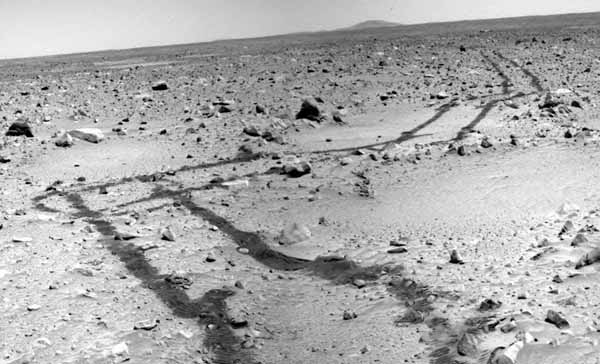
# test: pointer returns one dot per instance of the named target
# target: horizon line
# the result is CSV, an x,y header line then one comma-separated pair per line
x,y
346,28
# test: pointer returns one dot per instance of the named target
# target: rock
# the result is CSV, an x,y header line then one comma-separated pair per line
x,y
167,234
509,327
124,236
309,110
579,239
21,239
489,305
210,258
349,315
160,86
33,307
145,325
567,227
121,349
461,151
442,95
588,259
91,135
64,140
20,128
294,234
485,143
556,319
297,170
467,345
568,134
252,131
345,161
243,251
568,208
514,140
400,250
260,109
455,257
338,116
359,283
509,355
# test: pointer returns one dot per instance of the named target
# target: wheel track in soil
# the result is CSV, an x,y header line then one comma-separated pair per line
x,y
211,308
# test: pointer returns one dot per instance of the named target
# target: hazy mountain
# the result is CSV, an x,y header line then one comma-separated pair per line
x,y
369,24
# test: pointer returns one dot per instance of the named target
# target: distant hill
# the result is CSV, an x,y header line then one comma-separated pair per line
x,y
370,24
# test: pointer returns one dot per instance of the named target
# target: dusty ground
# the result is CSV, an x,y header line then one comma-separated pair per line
x,y
482,142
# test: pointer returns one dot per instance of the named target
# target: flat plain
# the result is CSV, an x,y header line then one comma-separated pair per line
x,y
404,194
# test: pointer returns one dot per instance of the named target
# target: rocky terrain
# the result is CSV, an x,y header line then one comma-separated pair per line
x,y
397,195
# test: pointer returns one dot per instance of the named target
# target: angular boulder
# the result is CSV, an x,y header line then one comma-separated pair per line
x,y
20,128
309,110
91,135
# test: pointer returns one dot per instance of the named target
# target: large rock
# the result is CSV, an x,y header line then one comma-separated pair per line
x,y
91,135
309,110
20,128
556,319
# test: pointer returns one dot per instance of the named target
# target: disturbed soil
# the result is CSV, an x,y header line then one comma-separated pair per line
x,y
422,194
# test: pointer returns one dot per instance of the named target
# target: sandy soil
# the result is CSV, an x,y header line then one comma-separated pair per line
x,y
440,206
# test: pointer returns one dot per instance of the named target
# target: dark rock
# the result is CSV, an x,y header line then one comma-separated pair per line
x,y
400,250
489,305
297,170
160,86
252,131
455,257
349,315
224,109
309,110
556,319
20,128
485,143
146,325
260,109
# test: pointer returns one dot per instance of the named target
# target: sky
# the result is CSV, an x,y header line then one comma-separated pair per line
x,y
43,27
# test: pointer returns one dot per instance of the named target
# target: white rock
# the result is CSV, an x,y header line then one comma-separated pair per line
x,y
91,135
121,349
568,208
64,140
238,183
513,351
167,234
562,91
